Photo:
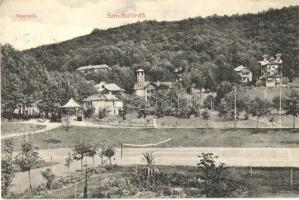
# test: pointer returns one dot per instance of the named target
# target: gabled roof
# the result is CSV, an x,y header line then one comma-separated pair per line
x,y
113,87
158,83
110,97
136,86
240,68
108,86
147,83
150,83
72,104
104,66
264,62
101,97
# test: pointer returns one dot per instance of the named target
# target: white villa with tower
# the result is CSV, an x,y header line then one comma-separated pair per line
x,y
271,69
145,88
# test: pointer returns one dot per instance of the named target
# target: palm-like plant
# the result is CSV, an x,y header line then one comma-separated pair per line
x,y
150,168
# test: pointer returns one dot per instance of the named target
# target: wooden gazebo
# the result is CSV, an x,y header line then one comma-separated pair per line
x,y
71,112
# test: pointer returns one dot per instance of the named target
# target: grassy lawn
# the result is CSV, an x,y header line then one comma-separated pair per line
x,y
266,92
286,120
264,182
15,127
61,137
214,121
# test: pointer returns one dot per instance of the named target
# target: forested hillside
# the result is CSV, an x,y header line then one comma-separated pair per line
x,y
209,48
25,81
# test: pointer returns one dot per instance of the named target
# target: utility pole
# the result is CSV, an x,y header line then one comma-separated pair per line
x,y
51,165
178,102
121,150
145,97
235,105
85,187
291,177
280,103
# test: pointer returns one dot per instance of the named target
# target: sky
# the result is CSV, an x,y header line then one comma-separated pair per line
x,y
29,23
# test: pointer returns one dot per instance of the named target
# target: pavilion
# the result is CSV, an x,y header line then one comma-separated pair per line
x,y
71,112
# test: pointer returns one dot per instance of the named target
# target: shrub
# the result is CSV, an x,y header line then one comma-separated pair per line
x,y
213,184
184,113
88,112
49,177
205,114
102,113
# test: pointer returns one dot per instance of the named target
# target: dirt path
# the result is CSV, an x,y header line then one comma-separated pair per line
x,y
49,126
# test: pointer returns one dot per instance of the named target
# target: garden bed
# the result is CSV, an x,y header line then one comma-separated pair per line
x,y
182,182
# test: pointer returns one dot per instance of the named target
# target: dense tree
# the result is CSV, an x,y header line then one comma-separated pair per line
x,y
291,104
7,166
26,81
223,89
22,80
259,108
226,107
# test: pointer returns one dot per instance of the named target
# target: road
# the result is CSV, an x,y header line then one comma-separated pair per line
x,y
256,157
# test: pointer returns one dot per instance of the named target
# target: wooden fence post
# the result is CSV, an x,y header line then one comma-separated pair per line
x,y
75,191
51,164
291,177
121,150
171,142
251,169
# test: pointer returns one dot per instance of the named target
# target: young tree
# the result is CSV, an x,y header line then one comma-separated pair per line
x,y
276,103
209,102
291,105
7,170
211,175
109,153
27,158
79,152
259,108
91,152
223,89
68,161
